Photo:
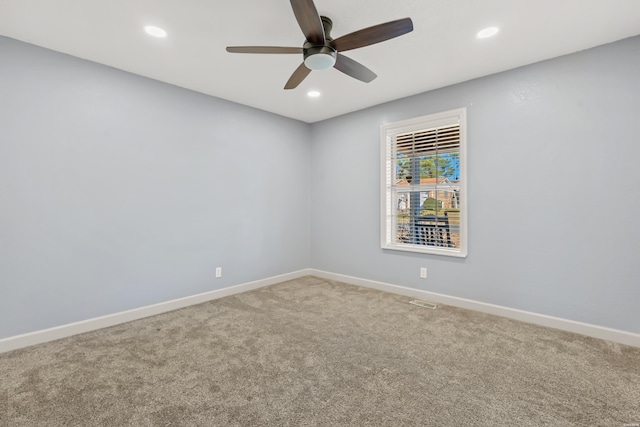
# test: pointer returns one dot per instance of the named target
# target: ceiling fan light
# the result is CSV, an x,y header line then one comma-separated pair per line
x,y
319,57
319,61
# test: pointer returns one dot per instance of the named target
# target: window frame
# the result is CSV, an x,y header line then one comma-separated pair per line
x,y
388,131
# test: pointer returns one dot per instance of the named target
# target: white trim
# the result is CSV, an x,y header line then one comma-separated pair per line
x,y
388,131
615,335
63,331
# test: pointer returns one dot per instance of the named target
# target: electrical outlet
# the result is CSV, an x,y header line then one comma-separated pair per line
x,y
423,272
218,272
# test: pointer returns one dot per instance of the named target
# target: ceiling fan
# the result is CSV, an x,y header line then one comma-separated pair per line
x,y
321,52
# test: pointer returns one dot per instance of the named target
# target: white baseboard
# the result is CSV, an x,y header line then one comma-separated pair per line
x,y
621,337
63,331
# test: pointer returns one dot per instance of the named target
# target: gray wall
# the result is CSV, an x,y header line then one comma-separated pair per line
x,y
554,190
118,191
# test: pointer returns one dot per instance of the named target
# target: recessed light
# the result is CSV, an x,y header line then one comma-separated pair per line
x,y
313,94
155,31
487,32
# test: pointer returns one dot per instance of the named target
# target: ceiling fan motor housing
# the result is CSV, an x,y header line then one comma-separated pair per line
x,y
321,57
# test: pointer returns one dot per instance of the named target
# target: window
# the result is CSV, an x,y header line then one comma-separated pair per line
x,y
424,206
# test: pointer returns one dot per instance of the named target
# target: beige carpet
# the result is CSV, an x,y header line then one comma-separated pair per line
x,y
312,352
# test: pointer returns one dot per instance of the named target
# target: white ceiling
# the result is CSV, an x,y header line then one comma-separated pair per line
x,y
442,49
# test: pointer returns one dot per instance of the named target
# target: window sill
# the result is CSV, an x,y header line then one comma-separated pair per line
x,y
458,253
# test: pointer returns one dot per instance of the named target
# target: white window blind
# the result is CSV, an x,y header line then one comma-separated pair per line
x,y
424,188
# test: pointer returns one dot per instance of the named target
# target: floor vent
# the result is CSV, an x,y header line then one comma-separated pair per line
x,y
425,304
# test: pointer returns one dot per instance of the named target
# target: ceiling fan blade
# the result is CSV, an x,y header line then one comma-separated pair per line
x,y
372,35
263,49
354,69
297,77
309,20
